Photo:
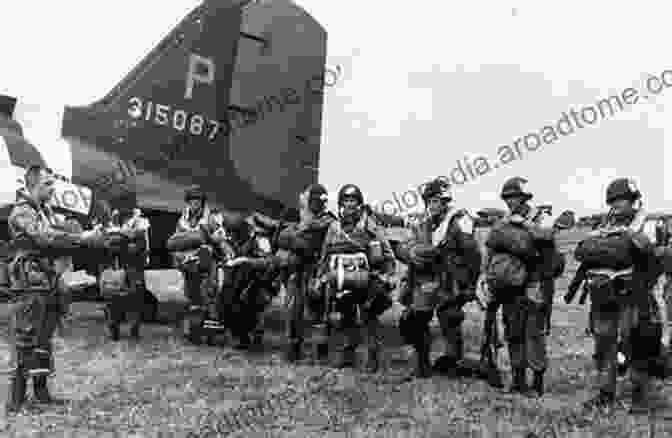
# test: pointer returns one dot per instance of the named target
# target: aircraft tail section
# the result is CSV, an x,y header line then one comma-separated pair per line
x,y
186,114
169,114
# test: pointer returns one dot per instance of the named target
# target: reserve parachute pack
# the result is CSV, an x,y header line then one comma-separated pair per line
x,y
505,271
349,271
185,241
512,239
610,250
424,256
304,242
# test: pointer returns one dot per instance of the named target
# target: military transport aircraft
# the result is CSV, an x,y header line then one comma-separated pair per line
x,y
231,100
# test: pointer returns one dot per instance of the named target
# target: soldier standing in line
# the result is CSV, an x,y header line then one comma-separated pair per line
x,y
195,215
132,259
663,235
356,229
444,263
525,309
633,317
37,244
298,256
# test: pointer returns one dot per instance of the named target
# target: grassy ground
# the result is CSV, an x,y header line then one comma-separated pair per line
x,y
162,387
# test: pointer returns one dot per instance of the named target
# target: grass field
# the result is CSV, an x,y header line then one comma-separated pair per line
x,y
161,386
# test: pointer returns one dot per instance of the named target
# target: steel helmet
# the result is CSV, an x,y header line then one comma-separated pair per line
x,y
622,188
352,191
194,192
437,187
317,192
514,187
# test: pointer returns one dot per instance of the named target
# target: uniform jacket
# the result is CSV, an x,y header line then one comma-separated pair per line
x,y
363,232
35,234
460,255
189,221
647,268
540,225
310,222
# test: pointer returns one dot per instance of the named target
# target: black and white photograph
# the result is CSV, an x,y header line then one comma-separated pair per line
x,y
306,218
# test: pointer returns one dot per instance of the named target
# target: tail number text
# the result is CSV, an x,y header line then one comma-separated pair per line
x,y
180,120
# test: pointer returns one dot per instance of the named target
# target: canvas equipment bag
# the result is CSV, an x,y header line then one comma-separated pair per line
x,y
611,251
349,271
301,242
512,239
185,241
113,281
424,256
607,289
505,271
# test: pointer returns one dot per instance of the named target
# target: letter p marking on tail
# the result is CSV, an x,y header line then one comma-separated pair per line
x,y
201,69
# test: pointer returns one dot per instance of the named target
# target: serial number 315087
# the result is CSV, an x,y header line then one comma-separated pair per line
x,y
180,120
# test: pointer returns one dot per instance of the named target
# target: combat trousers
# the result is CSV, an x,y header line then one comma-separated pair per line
x,y
667,300
297,288
192,287
548,290
371,303
128,306
429,297
637,339
34,320
525,318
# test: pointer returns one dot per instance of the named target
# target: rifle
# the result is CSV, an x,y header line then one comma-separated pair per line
x,y
490,347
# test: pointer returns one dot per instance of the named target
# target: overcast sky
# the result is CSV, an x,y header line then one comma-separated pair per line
x,y
423,86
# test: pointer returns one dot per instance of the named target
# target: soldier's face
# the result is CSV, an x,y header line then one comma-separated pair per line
x,y
514,202
44,188
437,206
350,203
195,204
621,206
